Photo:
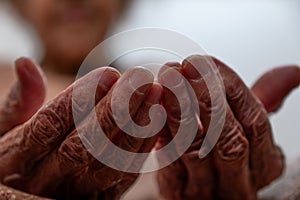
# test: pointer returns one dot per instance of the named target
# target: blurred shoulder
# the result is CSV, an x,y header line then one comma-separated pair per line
x,y
7,77
6,69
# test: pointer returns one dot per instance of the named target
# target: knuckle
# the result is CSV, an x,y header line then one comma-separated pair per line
x,y
50,124
237,93
46,128
80,106
211,100
106,119
121,108
72,152
90,89
258,128
232,146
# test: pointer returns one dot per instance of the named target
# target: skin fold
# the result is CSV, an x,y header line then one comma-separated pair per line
x,y
22,102
44,156
40,150
245,158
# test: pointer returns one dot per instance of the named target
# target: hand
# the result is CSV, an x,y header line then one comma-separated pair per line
x,y
21,103
46,157
245,158
274,86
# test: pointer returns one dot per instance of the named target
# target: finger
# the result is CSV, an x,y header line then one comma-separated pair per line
x,y
273,87
139,100
267,161
172,178
230,155
179,105
142,118
74,156
199,173
141,146
126,162
145,145
25,97
48,127
128,179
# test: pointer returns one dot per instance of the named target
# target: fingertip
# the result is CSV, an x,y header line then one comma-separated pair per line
x,y
140,79
31,78
23,67
170,77
28,72
197,66
291,72
173,65
110,70
28,93
155,94
109,76
298,72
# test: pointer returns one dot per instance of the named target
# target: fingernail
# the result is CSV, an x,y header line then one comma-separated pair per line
x,y
141,79
26,68
154,95
196,67
171,78
109,78
173,64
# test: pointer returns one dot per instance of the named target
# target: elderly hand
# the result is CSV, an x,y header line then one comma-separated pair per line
x,y
45,155
245,158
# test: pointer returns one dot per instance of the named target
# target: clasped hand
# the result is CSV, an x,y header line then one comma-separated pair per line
x,y
41,152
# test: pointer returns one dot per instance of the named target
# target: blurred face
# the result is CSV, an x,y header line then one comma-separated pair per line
x,y
70,29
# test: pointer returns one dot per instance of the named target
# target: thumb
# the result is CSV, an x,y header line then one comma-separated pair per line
x,y
25,97
273,86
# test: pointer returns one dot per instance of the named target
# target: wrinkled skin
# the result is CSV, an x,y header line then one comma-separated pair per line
x,y
245,158
45,155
